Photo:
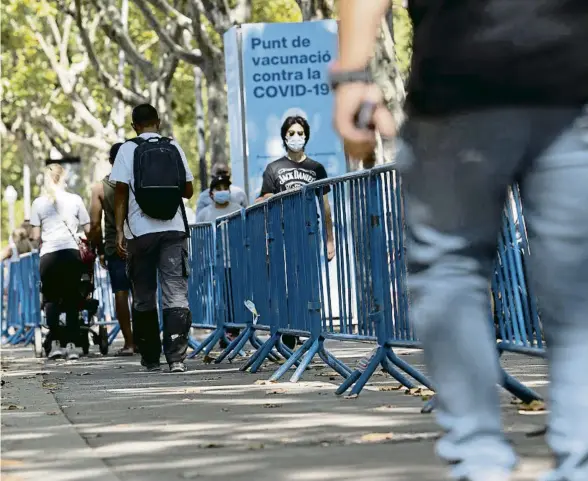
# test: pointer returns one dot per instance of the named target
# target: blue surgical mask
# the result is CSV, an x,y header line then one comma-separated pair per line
x,y
221,196
296,143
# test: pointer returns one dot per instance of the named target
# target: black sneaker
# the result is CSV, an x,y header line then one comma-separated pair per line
x,y
177,367
150,366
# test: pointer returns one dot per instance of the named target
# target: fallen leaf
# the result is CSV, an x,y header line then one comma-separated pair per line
x,y
207,359
225,410
396,387
386,407
351,396
52,413
49,385
15,407
10,463
211,445
261,382
533,406
272,406
85,374
376,437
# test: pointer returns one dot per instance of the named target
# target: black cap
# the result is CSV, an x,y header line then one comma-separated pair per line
x,y
220,179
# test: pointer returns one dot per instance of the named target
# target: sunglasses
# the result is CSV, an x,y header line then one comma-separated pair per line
x,y
292,133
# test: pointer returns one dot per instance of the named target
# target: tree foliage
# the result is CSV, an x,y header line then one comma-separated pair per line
x,y
61,84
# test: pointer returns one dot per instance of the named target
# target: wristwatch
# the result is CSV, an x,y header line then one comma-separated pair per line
x,y
350,76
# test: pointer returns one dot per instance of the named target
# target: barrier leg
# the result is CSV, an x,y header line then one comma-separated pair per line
x,y
283,349
202,345
218,335
113,333
306,360
369,371
334,363
396,374
429,405
29,336
353,377
261,355
518,389
292,360
193,343
408,369
239,348
256,342
232,345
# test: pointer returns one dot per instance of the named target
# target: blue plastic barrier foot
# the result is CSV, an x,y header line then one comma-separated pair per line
x,y
408,369
306,360
518,389
257,359
292,360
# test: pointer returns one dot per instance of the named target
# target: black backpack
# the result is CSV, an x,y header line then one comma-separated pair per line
x,y
160,178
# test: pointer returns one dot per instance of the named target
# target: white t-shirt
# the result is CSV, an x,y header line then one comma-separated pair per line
x,y
52,217
122,171
214,211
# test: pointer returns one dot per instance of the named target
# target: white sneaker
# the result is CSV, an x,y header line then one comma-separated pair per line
x,y
56,351
71,352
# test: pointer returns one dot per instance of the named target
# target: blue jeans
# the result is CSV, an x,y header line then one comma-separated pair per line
x,y
455,171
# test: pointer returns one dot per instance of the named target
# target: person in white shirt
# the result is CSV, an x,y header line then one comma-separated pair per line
x,y
150,215
56,217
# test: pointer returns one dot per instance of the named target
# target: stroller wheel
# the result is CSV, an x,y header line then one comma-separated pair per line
x,y
103,340
38,342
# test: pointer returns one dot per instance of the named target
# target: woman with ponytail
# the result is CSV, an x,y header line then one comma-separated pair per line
x,y
56,217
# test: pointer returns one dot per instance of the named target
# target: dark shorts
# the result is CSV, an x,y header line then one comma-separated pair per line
x,y
117,269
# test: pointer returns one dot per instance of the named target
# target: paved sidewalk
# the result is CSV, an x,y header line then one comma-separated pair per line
x,y
104,419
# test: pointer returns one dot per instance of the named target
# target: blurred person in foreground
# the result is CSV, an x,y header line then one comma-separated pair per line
x,y
103,203
495,96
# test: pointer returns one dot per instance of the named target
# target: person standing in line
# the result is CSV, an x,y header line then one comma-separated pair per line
x,y
238,195
103,203
496,95
293,171
56,217
152,177
220,193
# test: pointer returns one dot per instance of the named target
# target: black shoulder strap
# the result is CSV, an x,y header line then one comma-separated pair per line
x,y
138,140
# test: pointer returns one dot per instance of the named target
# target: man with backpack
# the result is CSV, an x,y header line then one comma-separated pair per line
x,y
152,178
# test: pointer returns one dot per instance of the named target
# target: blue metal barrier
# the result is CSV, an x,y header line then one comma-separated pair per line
x,y
23,309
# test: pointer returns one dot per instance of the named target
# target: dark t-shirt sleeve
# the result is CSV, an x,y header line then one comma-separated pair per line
x,y
321,173
268,186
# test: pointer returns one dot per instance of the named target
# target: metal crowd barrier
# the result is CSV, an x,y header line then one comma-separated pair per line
x,y
22,312
265,269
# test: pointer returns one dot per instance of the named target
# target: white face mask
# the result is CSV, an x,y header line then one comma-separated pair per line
x,y
296,143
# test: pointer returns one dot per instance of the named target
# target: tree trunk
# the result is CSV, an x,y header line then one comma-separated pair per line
x,y
200,135
217,112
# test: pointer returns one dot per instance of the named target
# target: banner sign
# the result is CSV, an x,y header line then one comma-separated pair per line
x,y
284,71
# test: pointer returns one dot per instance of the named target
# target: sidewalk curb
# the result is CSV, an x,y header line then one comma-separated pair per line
x,y
38,440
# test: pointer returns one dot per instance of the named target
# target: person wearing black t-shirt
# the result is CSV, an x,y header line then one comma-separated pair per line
x,y
293,171
497,93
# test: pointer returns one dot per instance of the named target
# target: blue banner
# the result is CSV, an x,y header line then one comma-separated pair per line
x,y
285,69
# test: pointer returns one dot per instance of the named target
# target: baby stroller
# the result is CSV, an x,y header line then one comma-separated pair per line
x,y
89,327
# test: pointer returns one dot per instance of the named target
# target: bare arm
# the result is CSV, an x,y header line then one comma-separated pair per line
x,y
121,205
359,23
328,219
36,234
188,190
262,198
96,214
6,254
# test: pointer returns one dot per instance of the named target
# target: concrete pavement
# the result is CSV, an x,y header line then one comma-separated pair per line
x,y
104,419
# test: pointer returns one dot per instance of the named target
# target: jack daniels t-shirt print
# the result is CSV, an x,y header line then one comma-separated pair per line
x,y
285,174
